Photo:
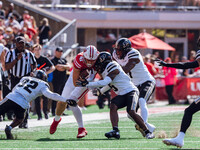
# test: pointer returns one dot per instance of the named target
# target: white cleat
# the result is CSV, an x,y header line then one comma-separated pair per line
x,y
175,142
150,136
151,127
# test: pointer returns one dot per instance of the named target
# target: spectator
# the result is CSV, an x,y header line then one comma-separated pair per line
x,y
10,22
11,12
16,31
183,72
170,81
152,70
43,63
2,12
9,37
1,32
59,75
191,59
44,31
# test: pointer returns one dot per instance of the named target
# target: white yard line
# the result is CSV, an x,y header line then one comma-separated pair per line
x,y
94,117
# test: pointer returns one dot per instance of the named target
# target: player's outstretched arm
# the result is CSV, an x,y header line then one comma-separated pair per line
x,y
180,65
54,96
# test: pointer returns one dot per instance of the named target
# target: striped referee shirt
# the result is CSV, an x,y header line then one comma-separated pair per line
x,y
23,66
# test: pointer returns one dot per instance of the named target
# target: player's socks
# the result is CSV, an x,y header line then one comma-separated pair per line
x,y
144,109
78,116
57,118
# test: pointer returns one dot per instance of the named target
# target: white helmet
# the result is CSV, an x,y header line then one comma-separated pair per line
x,y
91,53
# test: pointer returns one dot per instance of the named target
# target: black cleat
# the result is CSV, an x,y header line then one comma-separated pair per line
x,y
113,133
8,133
137,127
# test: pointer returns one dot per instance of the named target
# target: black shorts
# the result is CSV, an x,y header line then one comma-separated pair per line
x,y
146,89
130,100
7,105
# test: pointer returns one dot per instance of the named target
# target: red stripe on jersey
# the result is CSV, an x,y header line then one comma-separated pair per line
x,y
83,94
77,64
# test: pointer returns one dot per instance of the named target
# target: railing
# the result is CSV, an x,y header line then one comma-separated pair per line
x,y
125,4
65,38
123,7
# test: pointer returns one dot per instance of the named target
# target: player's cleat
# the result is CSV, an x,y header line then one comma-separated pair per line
x,y
150,136
150,127
137,127
8,133
174,141
113,134
81,132
53,126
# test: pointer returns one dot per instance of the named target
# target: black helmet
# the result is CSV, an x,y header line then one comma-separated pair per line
x,y
123,45
40,75
103,59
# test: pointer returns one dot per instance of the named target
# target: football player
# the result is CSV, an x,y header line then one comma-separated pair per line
x,y
127,94
25,91
190,110
132,63
84,60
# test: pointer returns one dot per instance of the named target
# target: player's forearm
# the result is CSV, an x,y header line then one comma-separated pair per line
x,y
185,65
54,96
100,83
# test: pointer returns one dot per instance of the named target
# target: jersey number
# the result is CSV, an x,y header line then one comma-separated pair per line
x,y
28,85
113,87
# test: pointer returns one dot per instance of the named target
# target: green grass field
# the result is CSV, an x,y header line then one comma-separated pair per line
x,y
38,138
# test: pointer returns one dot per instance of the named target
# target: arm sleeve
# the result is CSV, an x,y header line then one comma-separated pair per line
x,y
185,65
54,96
100,83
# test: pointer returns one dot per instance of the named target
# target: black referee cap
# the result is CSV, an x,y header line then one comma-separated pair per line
x,y
59,49
20,39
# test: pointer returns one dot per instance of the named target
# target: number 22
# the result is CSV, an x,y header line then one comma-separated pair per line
x,y
28,86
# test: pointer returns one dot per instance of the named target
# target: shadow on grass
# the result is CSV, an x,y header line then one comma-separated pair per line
x,y
73,139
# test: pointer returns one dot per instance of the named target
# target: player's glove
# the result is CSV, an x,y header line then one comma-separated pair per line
x,y
96,92
82,82
71,102
160,62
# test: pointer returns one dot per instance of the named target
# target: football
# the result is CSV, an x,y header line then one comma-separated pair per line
x,y
84,74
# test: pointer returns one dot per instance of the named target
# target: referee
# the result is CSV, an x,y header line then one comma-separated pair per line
x,y
19,62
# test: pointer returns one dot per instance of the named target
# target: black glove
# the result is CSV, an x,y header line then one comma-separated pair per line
x,y
96,92
82,82
71,102
161,63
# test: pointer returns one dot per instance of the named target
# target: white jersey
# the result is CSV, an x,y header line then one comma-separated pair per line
x,y
121,84
139,74
28,89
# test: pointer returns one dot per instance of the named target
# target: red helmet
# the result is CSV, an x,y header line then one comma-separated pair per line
x,y
90,54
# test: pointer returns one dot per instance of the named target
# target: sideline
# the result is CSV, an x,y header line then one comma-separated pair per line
x,y
98,116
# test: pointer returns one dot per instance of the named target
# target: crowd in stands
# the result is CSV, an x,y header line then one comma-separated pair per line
x,y
17,29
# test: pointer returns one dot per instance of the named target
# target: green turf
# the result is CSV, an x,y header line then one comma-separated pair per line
x,y
65,137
